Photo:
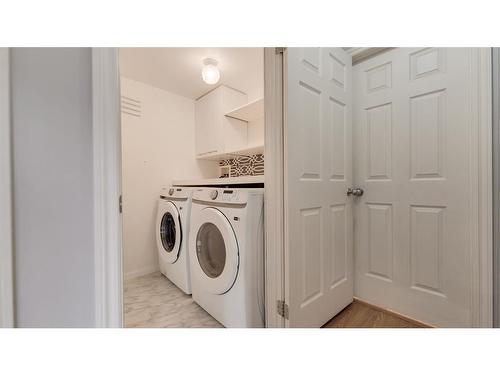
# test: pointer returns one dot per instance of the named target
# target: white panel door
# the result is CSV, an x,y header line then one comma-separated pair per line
x,y
411,120
318,171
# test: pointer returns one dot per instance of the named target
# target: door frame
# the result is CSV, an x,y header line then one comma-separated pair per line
x,y
106,138
274,59
496,186
481,185
7,318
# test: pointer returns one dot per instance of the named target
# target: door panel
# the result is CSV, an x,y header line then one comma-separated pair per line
x,y
380,240
318,171
411,121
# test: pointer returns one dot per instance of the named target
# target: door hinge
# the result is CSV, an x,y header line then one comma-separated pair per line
x,y
282,308
280,50
120,204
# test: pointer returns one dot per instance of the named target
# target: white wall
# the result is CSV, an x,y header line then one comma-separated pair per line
x,y
157,148
52,172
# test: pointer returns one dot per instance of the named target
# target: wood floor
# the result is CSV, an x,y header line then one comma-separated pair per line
x,y
153,301
360,315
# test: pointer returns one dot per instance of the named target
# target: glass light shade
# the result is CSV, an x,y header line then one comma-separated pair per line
x,y
210,72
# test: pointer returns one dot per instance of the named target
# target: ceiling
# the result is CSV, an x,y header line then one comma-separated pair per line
x,y
178,70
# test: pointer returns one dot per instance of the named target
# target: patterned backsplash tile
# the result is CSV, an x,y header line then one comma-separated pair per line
x,y
252,165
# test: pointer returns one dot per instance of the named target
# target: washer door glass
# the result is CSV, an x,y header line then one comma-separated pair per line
x,y
168,232
211,250
214,250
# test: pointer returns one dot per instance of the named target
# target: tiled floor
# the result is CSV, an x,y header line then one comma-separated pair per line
x,y
152,301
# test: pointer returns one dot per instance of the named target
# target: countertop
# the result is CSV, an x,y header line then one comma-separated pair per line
x,y
242,180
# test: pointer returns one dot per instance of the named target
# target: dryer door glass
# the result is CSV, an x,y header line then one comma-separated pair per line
x,y
211,250
167,232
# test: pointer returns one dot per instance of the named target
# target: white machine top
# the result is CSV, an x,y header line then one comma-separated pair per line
x,y
176,192
224,195
242,180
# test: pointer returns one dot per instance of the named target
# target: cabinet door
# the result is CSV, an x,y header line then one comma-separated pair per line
x,y
216,133
208,124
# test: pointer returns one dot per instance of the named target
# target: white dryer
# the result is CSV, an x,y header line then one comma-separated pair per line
x,y
172,230
226,250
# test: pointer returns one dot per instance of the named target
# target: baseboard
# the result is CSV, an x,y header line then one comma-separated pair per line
x,y
394,313
141,272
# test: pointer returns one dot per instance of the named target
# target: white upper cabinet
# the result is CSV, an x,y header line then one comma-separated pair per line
x,y
208,131
217,134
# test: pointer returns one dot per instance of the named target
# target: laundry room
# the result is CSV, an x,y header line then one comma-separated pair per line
x,y
192,133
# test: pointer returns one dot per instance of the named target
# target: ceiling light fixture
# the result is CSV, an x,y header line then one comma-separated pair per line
x,y
210,73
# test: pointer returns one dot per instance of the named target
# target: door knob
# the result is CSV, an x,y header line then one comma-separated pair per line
x,y
357,192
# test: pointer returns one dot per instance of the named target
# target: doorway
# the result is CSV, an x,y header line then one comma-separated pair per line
x,y
181,132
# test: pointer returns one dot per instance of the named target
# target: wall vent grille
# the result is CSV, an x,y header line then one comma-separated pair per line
x,y
130,106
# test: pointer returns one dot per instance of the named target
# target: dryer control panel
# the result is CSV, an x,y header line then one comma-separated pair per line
x,y
175,193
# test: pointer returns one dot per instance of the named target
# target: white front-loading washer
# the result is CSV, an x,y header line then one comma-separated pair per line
x,y
172,232
226,249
